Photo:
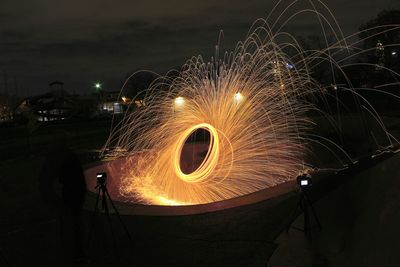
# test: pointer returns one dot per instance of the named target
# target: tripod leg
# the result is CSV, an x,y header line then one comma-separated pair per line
x,y
96,209
315,217
313,212
294,213
118,215
107,212
306,215
104,203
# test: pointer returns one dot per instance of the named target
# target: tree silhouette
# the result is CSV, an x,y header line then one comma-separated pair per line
x,y
385,30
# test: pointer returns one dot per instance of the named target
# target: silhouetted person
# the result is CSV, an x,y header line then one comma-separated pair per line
x,y
63,188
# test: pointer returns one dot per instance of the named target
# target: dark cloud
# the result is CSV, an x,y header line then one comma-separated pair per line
x,y
79,42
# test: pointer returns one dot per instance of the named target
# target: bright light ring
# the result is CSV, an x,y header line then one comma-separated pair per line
x,y
209,162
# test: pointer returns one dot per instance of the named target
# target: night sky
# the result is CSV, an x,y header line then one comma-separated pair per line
x,y
80,42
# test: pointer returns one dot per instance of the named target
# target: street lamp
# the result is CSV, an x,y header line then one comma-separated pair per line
x,y
179,101
238,97
97,85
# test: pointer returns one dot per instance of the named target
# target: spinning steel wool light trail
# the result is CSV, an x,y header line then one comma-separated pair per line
x,y
253,104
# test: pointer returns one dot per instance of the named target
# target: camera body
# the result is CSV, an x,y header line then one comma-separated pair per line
x,y
304,181
101,178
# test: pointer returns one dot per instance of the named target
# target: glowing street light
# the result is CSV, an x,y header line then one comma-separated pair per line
x,y
238,97
97,85
179,101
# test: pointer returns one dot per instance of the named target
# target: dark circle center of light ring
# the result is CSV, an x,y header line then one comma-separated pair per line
x,y
195,150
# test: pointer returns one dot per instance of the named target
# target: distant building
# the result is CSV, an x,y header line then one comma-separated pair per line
x,y
58,104
110,102
52,106
55,105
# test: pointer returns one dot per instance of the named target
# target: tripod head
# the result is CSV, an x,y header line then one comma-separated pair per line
x,y
304,181
101,179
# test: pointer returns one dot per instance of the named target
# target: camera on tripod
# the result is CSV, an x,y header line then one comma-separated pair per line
x,y
101,178
304,205
102,193
304,180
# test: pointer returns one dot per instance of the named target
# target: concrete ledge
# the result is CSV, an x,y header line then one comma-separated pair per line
x,y
115,168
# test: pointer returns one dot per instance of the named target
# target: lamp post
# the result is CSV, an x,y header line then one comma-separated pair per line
x,y
238,97
97,86
179,101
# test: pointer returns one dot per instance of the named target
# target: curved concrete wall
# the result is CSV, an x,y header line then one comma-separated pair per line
x,y
126,206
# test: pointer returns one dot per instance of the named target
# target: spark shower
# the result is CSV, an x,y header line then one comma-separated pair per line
x,y
253,103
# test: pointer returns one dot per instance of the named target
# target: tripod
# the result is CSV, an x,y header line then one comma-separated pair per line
x,y
304,204
102,190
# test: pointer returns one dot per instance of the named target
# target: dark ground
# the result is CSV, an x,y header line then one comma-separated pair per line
x,y
359,219
360,224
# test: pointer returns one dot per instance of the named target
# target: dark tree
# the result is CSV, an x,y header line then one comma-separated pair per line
x,y
381,36
321,69
138,83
